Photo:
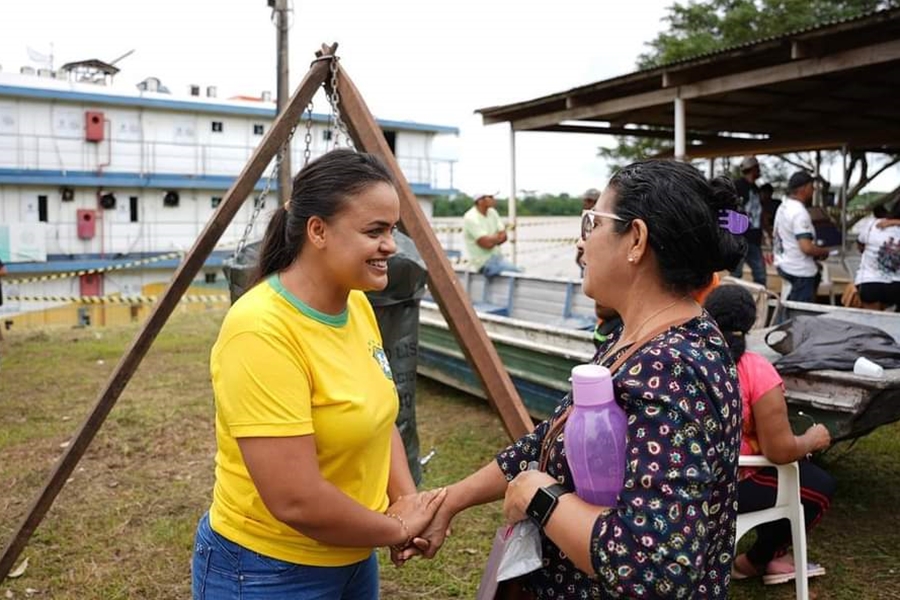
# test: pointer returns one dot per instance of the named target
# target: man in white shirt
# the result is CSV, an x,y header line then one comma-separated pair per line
x,y
794,240
484,232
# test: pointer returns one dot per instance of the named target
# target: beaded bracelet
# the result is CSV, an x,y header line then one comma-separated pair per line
x,y
403,526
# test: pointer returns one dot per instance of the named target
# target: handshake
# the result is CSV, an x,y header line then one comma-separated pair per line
x,y
424,522
424,518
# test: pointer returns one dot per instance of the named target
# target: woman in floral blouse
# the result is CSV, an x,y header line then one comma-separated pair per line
x,y
653,238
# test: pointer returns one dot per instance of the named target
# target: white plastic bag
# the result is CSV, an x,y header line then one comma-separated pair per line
x,y
522,553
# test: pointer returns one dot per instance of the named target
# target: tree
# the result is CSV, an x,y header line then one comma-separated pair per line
x,y
700,27
710,25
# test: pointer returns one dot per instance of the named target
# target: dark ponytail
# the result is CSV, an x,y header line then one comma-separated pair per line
x,y
320,189
276,253
734,311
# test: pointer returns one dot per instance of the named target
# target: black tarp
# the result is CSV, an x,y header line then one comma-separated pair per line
x,y
809,343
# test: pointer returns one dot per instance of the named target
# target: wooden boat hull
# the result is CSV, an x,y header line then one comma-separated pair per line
x,y
539,360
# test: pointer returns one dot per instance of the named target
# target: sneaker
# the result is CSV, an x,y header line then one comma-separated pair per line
x,y
781,570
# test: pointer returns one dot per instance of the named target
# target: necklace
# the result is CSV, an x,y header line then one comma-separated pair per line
x,y
640,328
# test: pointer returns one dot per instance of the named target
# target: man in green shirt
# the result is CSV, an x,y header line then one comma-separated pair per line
x,y
484,232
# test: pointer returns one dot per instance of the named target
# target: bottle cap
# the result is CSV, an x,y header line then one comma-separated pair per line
x,y
591,385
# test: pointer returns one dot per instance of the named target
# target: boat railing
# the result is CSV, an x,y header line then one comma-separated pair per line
x,y
552,301
126,152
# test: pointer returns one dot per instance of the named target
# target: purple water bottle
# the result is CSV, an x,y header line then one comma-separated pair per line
x,y
595,436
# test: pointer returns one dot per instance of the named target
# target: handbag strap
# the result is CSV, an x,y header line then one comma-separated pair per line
x,y
627,353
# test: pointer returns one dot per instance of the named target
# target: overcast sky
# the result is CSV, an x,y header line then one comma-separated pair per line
x,y
424,60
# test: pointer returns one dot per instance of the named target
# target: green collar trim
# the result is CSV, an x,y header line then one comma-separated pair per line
x,y
338,320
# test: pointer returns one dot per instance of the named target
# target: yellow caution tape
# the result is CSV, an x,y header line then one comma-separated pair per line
x,y
116,267
206,299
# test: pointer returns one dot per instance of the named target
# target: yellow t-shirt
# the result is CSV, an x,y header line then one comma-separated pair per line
x,y
281,368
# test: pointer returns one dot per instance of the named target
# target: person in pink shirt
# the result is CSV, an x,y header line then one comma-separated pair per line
x,y
767,431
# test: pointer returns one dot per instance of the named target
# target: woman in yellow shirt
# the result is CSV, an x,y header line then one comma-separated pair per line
x,y
311,474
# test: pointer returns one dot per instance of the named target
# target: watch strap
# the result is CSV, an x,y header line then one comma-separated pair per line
x,y
556,490
544,502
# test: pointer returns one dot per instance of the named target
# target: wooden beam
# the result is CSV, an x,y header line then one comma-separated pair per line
x,y
801,69
674,78
443,282
799,50
827,141
796,70
184,276
598,110
661,134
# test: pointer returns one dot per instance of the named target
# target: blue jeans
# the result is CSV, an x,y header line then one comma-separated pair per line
x,y
496,264
223,570
803,289
757,264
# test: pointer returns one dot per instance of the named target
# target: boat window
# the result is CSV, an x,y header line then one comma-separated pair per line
x,y
215,201
217,126
258,129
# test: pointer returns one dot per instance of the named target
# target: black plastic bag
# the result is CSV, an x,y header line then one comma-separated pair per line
x,y
397,310
811,343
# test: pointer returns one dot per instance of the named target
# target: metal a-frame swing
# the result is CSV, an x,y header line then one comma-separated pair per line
x,y
443,283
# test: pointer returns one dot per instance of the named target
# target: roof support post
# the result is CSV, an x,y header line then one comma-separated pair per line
x,y
819,199
845,187
514,233
679,130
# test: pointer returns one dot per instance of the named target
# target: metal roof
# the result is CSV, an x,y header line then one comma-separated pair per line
x,y
828,25
821,87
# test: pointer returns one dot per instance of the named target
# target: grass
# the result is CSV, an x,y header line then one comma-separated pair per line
x,y
122,526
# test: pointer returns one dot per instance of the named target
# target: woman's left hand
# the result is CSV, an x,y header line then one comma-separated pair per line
x,y
520,491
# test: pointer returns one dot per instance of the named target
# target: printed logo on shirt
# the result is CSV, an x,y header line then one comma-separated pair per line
x,y
382,360
889,257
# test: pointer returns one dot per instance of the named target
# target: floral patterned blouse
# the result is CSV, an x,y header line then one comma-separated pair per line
x,y
671,535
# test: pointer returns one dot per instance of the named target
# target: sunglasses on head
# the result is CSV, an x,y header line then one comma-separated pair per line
x,y
589,221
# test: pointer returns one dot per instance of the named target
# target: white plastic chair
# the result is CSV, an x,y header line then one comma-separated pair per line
x,y
826,285
762,296
787,506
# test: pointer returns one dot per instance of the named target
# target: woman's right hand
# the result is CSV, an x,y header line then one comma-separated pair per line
x,y
817,438
417,510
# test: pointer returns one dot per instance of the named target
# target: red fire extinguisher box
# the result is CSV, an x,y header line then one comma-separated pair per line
x,y
87,223
90,285
93,126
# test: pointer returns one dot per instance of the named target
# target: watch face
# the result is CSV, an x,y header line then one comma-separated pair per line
x,y
540,506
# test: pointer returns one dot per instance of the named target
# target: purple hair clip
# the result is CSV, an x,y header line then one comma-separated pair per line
x,y
735,222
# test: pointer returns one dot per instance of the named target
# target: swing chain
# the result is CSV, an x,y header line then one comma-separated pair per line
x,y
308,137
338,126
260,200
